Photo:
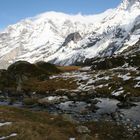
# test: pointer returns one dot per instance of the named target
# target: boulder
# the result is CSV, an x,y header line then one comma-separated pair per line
x,y
21,71
125,105
52,100
82,129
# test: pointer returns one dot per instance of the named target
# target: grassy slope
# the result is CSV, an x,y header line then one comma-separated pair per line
x,y
42,126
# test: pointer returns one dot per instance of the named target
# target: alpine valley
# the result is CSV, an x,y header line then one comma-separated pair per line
x,y
72,77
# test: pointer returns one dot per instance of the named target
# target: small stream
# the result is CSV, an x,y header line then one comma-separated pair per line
x,y
106,105
15,104
105,109
133,113
98,109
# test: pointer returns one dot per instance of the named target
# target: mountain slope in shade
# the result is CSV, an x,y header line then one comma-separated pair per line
x,y
65,39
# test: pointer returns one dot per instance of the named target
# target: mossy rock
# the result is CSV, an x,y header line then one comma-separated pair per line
x,y
30,101
50,68
5,81
24,68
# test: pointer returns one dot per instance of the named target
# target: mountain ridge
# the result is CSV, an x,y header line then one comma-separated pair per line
x,y
42,38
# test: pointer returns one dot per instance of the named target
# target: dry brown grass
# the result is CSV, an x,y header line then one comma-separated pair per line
x,y
34,125
68,68
39,125
51,84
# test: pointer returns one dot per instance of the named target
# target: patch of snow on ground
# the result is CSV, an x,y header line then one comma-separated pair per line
x,y
53,98
91,81
137,85
138,78
118,92
72,139
85,68
125,65
129,68
7,137
5,123
101,86
125,77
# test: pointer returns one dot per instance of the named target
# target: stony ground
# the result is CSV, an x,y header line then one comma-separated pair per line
x,y
77,104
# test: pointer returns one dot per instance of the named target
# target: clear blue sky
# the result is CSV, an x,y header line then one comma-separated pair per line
x,y
12,11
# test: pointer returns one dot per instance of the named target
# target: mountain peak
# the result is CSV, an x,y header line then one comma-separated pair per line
x,y
127,4
130,1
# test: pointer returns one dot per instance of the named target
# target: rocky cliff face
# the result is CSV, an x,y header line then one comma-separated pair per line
x,y
75,37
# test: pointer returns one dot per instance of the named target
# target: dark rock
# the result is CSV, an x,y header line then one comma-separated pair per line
x,y
93,108
126,105
92,42
95,101
135,99
72,37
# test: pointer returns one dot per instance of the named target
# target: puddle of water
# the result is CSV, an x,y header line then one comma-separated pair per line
x,y
72,106
3,103
132,113
106,105
6,103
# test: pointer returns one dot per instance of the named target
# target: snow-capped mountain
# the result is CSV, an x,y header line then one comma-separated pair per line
x,y
65,39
